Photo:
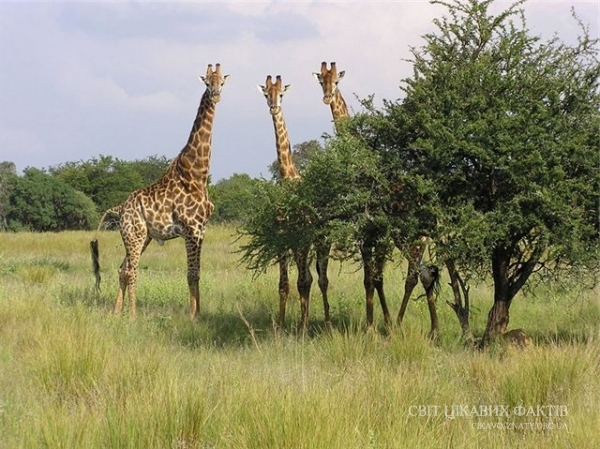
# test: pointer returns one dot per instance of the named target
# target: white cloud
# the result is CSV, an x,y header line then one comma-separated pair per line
x,y
115,70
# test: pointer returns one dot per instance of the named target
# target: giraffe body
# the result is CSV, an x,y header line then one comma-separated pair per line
x,y
177,205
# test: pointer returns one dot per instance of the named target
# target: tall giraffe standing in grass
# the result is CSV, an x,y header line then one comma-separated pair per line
x,y
373,252
177,205
373,256
273,92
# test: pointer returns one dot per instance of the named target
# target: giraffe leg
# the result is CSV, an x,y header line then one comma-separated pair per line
x,y
123,281
368,283
128,274
378,285
304,283
435,327
429,277
412,279
284,289
322,265
378,268
193,248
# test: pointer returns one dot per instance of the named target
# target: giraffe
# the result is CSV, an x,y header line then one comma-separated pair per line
x,y
373,252
177,205
273,92
373,255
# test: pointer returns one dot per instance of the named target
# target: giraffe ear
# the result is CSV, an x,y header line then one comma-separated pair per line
x,y
317,76
261,89
286,87
201,78
341,74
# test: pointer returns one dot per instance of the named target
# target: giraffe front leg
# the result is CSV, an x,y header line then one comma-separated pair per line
x,y
194,249
412,279
430,278
322,266
284,290
304,284
415,255
366,253
378,269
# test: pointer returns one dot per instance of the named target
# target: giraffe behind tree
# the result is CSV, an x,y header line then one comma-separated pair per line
x,y
177,205
373,254
373,251
273,92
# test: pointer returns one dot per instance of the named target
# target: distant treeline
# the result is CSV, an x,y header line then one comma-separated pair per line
x,y
74,195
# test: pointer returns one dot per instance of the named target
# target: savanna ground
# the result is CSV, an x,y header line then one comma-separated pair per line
x,y
73,375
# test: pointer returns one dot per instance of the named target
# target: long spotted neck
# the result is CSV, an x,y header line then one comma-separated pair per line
x,y
193,161
339,110
287,169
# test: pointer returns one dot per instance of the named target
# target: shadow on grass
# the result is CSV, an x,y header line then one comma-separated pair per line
x,y
226,325
245,325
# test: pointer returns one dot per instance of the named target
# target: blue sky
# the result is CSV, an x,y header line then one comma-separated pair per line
x,y
84,79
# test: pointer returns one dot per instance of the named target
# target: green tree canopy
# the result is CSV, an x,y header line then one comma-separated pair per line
x,y
108,181
8,171
233,198
505,125
40,202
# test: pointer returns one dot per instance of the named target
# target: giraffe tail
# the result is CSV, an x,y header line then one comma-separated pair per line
x,y
96,262
116,210
431,279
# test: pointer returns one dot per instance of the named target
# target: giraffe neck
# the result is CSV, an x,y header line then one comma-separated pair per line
x,y
194,159
339,110
287,169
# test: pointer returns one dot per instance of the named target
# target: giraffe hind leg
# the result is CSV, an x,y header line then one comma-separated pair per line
x,y
128,273
123,282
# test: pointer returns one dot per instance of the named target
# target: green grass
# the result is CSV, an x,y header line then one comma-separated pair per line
x,y
74,375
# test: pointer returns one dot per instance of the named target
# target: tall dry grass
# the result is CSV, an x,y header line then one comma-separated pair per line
x,y
74,375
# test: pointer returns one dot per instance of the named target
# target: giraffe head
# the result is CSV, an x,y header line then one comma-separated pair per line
x,y
329,79
214,81
273,92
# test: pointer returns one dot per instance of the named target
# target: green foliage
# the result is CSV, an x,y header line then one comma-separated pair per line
x,y
233,198
108,181
505,127
266,236
344,191
8,172
40,202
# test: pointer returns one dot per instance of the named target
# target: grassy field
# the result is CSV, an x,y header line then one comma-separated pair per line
x,y
73,375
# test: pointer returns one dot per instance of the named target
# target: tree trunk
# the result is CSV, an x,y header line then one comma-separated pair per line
x,y
498,315
497,321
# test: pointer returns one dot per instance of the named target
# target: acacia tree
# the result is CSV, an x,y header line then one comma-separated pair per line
x,y
505,125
